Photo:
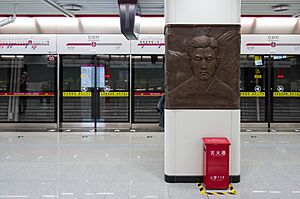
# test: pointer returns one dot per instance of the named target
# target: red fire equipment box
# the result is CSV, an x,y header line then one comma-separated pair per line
x,y
216,162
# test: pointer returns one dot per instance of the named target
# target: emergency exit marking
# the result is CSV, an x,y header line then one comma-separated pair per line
x,y
77,94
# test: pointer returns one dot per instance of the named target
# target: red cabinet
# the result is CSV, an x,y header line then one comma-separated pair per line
x,y
216,162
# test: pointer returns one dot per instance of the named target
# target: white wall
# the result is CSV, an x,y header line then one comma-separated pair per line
x,y
118,44
149,25
202,11
84,25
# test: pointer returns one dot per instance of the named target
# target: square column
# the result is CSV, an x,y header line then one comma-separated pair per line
x,y
202,84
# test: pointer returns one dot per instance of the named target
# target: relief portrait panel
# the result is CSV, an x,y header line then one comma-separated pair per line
x,y
202,66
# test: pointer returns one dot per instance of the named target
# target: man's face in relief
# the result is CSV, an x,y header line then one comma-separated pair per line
x,y
203,62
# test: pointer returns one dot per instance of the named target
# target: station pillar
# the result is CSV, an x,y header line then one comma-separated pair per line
x,y
202,84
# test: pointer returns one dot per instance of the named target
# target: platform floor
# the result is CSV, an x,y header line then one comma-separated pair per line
x,y
131,165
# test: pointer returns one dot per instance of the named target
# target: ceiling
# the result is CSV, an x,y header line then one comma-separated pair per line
x,y
264,7
148,7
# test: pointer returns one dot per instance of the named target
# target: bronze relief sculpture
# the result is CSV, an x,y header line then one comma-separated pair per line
x,y
204,72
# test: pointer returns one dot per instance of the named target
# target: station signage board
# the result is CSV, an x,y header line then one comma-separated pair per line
x,y
149,44
270,44
27,44
92,44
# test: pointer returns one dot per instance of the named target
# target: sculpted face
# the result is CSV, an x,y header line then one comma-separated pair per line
x,y
203,62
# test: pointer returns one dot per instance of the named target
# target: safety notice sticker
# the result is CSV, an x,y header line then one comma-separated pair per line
x,y
286,94
77,94
252,94
113,94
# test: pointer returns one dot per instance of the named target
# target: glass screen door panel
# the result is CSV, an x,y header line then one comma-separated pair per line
x,y
286,88
27,88
112,88
253,88
77,88
148,87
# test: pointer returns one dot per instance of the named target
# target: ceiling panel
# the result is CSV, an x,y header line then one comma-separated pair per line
x,y
148,7
264,7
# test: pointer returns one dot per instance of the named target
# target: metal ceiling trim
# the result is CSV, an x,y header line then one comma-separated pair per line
x,y
8,20
129,18
59,8
80,15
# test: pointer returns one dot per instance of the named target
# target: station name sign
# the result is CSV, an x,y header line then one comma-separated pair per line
x,y
27,44
270,44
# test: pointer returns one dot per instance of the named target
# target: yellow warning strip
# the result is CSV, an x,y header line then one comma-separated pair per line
x,y
125,94
275,94
286,94
77,94
113,94
231,191
252,94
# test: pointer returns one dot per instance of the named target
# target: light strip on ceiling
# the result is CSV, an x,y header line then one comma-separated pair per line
x,y
59,8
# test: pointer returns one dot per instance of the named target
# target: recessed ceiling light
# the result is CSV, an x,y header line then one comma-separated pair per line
x,y
280,8
72,7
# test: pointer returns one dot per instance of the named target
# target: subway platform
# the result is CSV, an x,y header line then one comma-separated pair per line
x,y
125,165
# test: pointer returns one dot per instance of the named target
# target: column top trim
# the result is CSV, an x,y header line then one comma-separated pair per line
x,y
197,25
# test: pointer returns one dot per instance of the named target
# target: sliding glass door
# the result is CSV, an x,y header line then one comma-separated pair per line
x,y
27,88
95,89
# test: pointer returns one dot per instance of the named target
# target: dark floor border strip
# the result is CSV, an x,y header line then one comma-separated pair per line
x,y
195,179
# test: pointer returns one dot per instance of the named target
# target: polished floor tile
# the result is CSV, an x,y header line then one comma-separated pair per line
x,y
131,165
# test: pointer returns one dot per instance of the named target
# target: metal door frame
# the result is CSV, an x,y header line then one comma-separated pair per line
x,y
274,126
71,126
118,126
269,125
92,126
257,126
41,126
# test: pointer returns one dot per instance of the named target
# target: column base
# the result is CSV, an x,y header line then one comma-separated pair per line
x,y
196,179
